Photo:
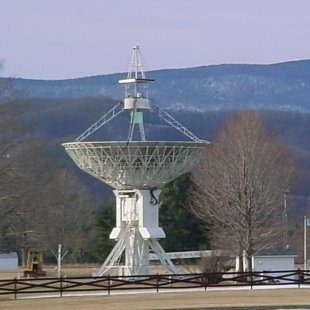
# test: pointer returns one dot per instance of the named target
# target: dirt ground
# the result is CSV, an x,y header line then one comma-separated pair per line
x,y
184,300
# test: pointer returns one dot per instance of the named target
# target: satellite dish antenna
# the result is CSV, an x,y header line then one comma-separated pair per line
x,y
136,170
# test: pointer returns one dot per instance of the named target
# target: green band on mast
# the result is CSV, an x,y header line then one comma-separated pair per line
x,y
138,118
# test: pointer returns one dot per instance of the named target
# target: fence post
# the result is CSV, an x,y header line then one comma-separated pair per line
x,y
60,286
15,288
251,280
109,285
300,277
157,282
205,278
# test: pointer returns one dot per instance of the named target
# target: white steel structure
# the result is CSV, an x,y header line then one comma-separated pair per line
x,y
136,170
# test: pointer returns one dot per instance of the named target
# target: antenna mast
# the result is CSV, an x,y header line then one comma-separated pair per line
x,y
136,93
137,101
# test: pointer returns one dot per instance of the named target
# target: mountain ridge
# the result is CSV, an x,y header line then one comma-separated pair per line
x,y
284,86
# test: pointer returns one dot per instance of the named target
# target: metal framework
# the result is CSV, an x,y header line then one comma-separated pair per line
x,y
135,165
137,101
164,115
136,170
116,110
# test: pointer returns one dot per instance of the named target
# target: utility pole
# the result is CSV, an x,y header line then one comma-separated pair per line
x,y
59,261
305,243
59,258
285,244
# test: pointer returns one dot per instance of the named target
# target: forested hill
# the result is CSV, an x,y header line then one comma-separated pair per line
x,y
282,86
64,119
48,113
62,188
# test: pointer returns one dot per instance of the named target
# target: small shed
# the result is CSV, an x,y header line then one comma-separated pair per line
x,y
8,261
274,260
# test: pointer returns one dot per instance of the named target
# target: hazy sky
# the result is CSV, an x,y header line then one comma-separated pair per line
x,y
57,39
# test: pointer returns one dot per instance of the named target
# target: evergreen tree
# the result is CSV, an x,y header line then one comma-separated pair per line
x,y
183,230
102,245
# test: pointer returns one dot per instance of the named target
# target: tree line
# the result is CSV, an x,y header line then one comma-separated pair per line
x,y
233,199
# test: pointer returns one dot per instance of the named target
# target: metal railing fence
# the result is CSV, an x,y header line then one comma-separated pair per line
x,y
15,288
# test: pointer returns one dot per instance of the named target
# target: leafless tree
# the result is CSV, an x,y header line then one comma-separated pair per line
x,y
241,180
7,91
41,204
50,206
67,213
10,136
14,146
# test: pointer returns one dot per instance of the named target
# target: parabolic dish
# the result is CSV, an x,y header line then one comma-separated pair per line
x,y
129,165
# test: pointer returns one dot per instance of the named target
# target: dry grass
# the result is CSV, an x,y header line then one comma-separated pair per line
x,y
217,299
67,270
83,271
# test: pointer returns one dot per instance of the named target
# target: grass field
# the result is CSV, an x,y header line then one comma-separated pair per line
x,y
68,270
82,271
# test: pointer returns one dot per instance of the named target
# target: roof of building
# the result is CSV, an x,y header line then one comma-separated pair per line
x,y
8,255
277,252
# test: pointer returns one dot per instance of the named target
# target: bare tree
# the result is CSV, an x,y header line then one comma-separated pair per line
x,y
7,92
47,209
10,137
41,204
242,180
67,213
13,148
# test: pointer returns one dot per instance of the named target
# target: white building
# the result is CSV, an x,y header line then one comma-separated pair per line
x,y
274,260
8,261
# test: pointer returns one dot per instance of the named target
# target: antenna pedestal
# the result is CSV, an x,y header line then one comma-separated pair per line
x,y
136,233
